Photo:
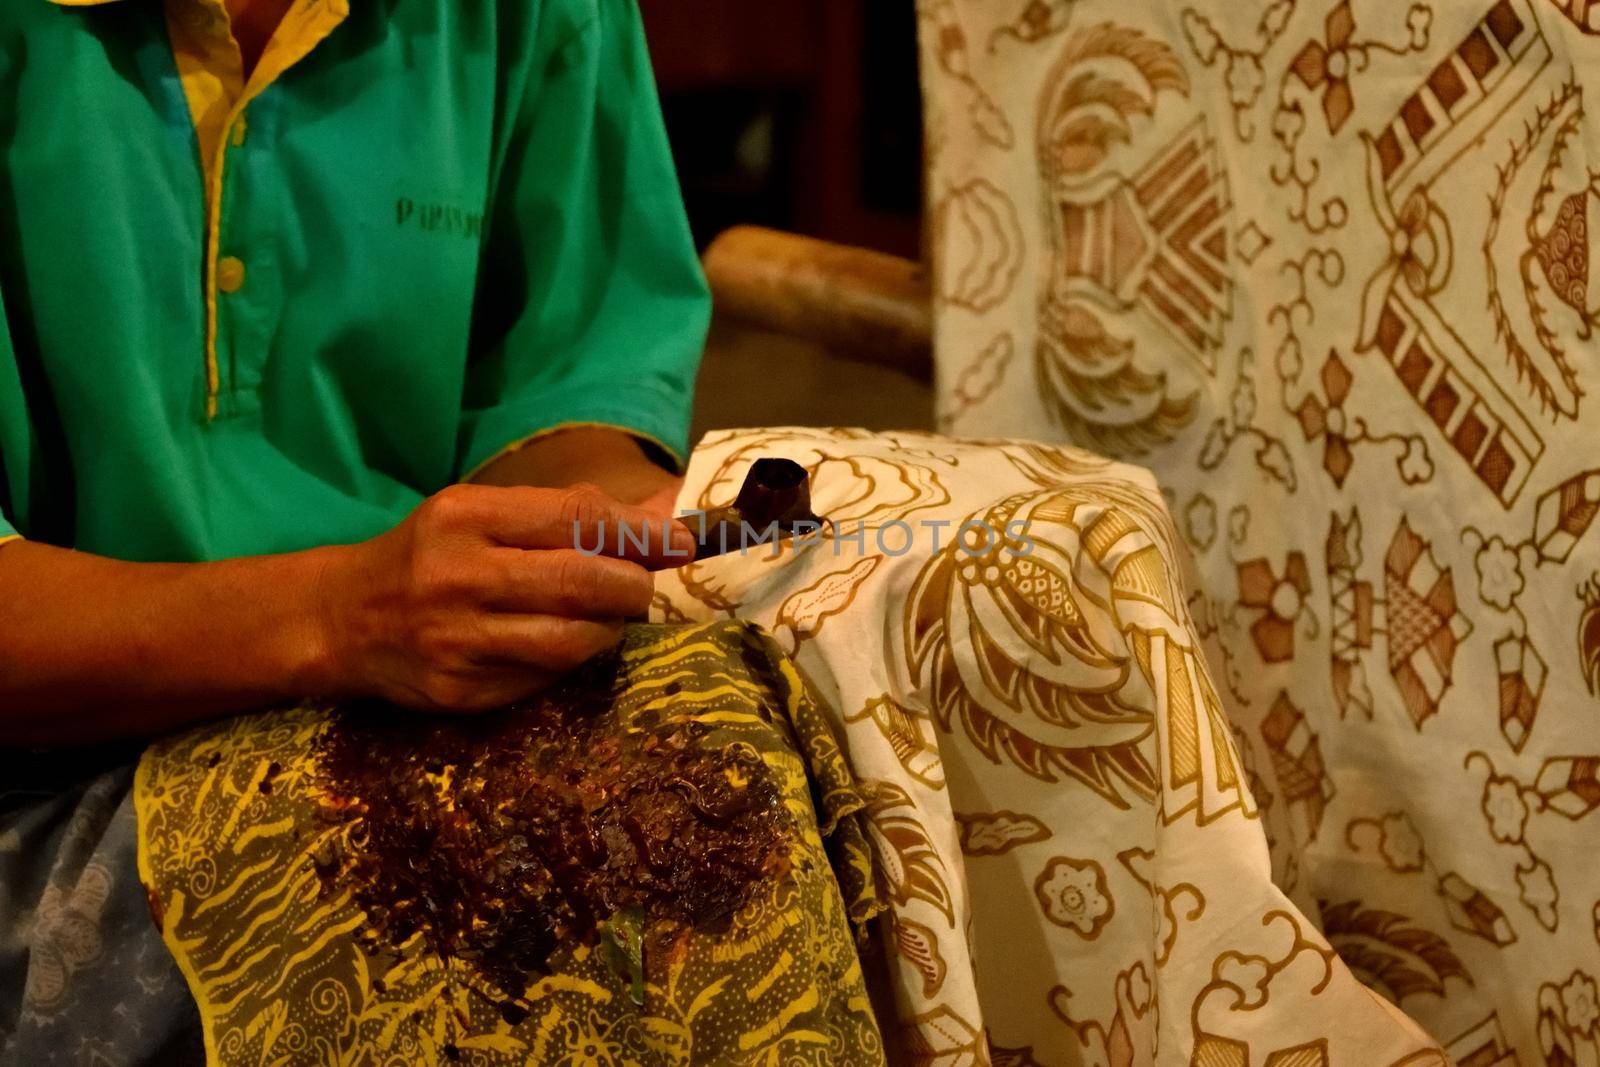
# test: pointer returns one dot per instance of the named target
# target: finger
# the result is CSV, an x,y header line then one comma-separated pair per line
x,y
562,582
543,642
477,689
583,518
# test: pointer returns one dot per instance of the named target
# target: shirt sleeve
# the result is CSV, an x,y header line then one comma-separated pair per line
x,y
592,307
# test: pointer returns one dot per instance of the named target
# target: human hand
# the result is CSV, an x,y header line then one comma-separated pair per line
x,y
479,598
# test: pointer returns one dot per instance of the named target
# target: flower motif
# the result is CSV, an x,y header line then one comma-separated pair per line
x,y
66,938
1326,65
1287,124
1249,975
1420,249
1327,420
1282,599
1243,401
1244,78
1580,1004
1239,525
1038,20
1415,465
1073,894
1200,520
593,1043
1537,887
1400,845
1275,17
1499,573
1503,806
1274,459
1415,245
1203,38
1139,991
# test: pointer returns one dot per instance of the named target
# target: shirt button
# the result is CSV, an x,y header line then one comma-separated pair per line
x,y
230,274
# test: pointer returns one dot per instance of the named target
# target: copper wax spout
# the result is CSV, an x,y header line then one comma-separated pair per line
x,y
776,492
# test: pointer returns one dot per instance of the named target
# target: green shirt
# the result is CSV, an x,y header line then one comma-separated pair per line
x,y
452,225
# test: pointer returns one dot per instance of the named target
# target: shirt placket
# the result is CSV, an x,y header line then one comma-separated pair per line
x,y
212,70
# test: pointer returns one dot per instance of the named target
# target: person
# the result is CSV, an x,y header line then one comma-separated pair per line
x,y
322,322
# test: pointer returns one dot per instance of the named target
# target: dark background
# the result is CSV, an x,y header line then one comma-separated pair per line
x,y
802,115
798,114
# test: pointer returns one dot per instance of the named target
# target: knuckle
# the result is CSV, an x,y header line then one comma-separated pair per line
x,y
640,591
575,583
448,507
561,651
448,692
570,646
583,505
436,647
429,577
447,575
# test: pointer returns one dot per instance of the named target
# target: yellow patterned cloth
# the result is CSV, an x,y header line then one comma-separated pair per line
x,y
229,840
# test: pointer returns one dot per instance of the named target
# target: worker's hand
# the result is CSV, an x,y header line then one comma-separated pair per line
x,y
481,598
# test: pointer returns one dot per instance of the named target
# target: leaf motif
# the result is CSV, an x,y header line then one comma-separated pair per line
x,y
662,609
990,121
1389,953
1215,446
1113,94
979,378
919,946
1093,100
882,795
1089,380
991,833
1156,63
1273,459
504,1044
910,864
703,999
805,610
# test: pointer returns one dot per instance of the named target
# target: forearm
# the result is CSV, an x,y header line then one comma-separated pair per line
x,y
93,648
475,600
609,459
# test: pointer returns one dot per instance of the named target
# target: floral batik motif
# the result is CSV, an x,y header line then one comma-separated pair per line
x,y
1324,269
1063,824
